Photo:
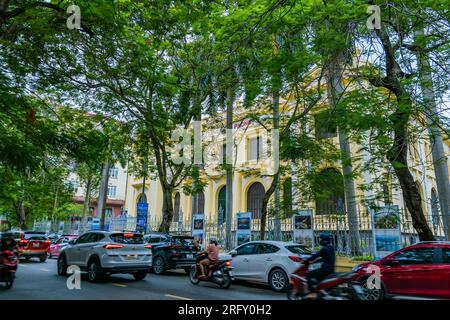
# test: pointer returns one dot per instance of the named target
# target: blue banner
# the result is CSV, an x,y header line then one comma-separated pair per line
x,y
142,213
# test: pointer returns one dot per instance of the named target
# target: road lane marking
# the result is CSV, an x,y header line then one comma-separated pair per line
x,y
177,297
119,285
42,269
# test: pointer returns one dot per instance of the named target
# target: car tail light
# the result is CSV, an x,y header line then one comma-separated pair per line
x,y
295,258
228,263
48,242
128,235
23,242
148,246
112,246
174,246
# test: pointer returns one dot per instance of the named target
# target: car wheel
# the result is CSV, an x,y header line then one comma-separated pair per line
x,y
159,266
278,280
62,265
140,275
374,293
94,271
43,258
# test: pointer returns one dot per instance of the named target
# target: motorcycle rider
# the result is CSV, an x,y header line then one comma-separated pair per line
x,y
327,256
8,243
212,256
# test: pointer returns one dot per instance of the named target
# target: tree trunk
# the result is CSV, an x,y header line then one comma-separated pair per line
x,y
87,199
437,144
55,205
229,166
335,92
265,202
397,155
103,193
167,210
276,125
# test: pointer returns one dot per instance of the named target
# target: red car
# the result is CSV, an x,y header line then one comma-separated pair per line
x,y
58,245
421,270
34,244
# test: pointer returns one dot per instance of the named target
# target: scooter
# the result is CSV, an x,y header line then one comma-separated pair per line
x,y
8,267
337,286
220,273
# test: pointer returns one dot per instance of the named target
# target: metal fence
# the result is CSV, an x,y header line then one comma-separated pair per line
x,y
336,225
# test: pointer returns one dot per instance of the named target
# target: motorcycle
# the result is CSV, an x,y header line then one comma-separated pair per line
x,y
8,267
337,286
220,273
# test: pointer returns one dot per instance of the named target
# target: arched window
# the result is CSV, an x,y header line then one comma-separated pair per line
x,y
328,188
199,203
255,196
222,205
176,207
435,209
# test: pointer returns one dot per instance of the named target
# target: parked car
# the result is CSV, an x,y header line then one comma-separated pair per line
x,y
59,244
422,269
34,244
172,252
268,262
102,252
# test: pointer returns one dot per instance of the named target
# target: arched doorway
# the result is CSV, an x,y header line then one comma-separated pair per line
x,y
222,205
255,196
176,207
328,188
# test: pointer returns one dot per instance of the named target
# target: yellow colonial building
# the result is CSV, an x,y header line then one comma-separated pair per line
x,y
253,172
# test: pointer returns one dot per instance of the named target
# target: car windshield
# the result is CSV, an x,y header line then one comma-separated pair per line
x,y
299,249
182,241
127,238
35,237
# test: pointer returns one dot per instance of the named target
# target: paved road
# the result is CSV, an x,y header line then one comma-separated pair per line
x,y
39,281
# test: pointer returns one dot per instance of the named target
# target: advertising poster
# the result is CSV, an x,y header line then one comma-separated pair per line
x,y
142,214
303,232
244,227
95,224
198,229
386,230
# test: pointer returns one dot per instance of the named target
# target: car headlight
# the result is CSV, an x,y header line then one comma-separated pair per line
x,y
357,268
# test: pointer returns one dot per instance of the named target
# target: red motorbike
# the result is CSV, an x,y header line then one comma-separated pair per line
x,y
8,267
337,286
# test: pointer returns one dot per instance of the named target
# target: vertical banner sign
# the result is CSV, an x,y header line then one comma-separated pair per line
x,y
244,227
303,231
386,230
198,229
142,213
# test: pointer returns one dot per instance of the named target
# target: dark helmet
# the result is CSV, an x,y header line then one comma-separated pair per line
x,y
324,239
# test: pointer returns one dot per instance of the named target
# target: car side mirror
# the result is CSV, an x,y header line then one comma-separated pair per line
x,y
73,241
233,253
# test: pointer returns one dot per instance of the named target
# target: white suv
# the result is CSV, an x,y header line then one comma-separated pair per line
x,y
101,253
